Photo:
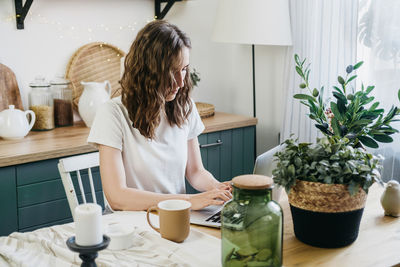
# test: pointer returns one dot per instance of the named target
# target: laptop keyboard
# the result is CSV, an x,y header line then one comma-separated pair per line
x,y
216,218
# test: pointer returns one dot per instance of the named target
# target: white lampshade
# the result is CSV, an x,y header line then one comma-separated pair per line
x,y
265,22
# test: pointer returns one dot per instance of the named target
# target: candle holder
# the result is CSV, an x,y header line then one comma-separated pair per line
x,y
88,254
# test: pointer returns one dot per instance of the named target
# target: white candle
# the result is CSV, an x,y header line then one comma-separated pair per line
x,y
88,225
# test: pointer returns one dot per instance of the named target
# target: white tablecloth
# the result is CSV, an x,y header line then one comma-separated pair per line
x,y
46,247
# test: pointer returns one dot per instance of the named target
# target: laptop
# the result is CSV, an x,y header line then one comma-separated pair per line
x,y
211,215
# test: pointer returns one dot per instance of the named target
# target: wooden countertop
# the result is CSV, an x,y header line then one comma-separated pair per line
x,y
66,141
378,242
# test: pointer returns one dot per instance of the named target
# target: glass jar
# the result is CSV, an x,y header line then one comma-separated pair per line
x,y
251,224
62,97
41,102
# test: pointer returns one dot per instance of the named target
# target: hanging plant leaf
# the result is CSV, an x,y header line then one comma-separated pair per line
x,y
367,141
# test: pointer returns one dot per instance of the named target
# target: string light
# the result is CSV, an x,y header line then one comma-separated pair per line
x,y
75,32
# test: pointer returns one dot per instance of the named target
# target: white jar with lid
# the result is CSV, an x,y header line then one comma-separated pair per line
x,y
62,100
41,102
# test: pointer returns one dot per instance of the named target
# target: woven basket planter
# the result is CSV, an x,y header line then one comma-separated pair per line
x,y
326,215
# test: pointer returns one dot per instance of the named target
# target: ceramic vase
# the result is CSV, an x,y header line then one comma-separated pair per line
x,y
94,94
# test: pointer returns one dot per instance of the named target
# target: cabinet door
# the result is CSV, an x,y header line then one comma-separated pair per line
x,y
8,201
228,153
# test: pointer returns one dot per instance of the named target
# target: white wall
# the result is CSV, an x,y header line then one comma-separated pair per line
x,y
55,29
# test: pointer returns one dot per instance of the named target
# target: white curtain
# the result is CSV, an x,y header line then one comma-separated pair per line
x,y
379,48
324,32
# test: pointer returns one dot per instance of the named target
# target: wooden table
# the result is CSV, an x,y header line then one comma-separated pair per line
x,y
378,242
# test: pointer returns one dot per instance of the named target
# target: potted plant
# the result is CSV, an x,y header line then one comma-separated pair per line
x,y
194,77
327,182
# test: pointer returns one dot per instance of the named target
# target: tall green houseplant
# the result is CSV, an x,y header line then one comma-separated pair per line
x,y
352,114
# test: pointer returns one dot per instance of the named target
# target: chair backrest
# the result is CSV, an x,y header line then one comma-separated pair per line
x,y
77,164
264,165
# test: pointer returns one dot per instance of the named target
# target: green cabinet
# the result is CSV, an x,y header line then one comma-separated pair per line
x,y
32,195
8,201
228,153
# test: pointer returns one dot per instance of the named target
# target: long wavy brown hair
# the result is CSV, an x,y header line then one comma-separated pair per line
x,y
153,59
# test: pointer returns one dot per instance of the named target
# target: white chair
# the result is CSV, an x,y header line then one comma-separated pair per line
x,y
69,165
264,165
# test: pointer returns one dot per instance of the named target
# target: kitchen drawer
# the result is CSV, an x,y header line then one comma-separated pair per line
x,y
49,212
228,153
43,213
8,201
36,172
40,192
46,225
37,193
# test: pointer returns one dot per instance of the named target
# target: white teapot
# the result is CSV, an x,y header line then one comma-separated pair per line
x,y
14,123
94,94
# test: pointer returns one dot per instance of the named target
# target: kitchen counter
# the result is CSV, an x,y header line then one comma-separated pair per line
x,y
66,141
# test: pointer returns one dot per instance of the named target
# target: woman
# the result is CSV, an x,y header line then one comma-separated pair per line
x,y
147,139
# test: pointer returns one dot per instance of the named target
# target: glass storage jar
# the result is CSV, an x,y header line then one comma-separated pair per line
x,y
62,97
41,102
251,224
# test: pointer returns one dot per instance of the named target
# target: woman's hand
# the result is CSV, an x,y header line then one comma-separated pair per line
x,y
225,186
212,197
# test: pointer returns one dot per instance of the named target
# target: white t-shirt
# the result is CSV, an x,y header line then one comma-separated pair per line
x,y
156,165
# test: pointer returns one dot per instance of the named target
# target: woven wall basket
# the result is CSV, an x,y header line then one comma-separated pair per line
x,y
95,62
320,197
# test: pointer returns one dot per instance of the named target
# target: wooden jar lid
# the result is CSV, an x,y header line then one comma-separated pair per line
x,y
253,181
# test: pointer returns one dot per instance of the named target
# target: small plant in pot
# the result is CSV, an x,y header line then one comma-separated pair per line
x,y
327,182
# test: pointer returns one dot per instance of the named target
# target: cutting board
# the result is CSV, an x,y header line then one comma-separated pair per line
x,y
9,91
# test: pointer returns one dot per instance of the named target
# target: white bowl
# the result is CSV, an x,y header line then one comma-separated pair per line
x,y
121,236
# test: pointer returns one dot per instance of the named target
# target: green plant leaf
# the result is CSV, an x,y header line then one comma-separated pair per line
x,y
367,141
297,59
356,66
338,89
340,96
398,94
383,138
369,89
304,96
323,129
299,71
374,106
341,106
362,122
336,111
368,100
351,78
341,80
336,127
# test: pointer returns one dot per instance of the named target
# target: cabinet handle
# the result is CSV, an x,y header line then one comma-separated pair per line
x,y
218,143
